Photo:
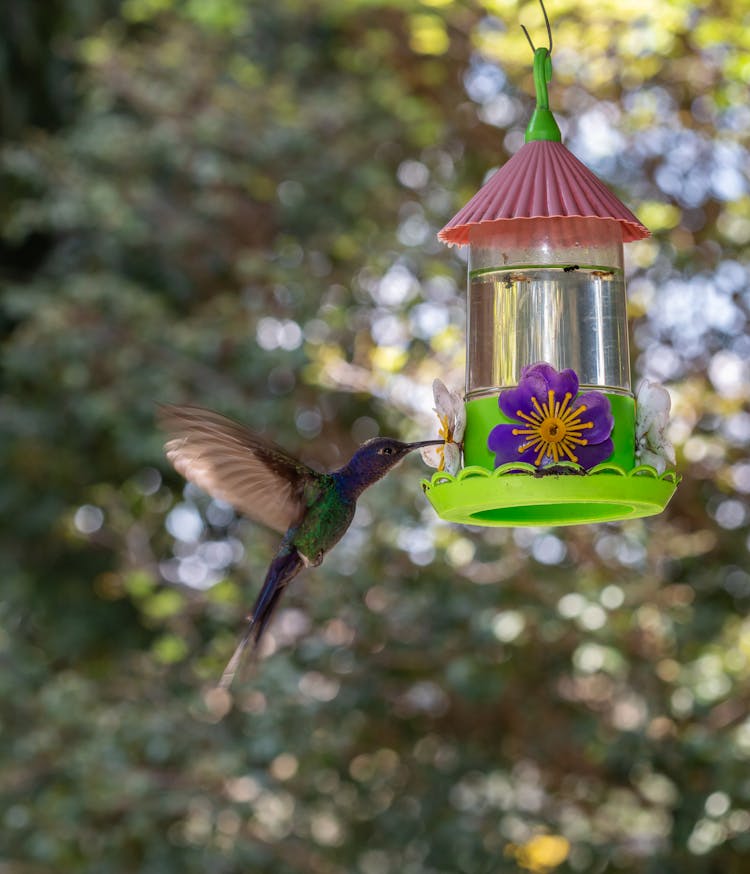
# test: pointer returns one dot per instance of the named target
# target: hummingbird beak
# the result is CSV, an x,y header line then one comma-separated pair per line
x,y
426,443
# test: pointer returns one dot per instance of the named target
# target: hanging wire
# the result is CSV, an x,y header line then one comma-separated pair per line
x,y
549,30
542,125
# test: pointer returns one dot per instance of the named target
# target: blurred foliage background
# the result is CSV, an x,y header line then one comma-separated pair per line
x,y
234,203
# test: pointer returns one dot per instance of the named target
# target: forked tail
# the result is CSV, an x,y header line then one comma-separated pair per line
x,y
285,566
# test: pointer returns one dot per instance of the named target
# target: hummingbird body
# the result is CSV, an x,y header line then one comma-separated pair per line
x,y
326,520
312,510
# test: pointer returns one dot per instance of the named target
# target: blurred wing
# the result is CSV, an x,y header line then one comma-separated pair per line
x,y
232,463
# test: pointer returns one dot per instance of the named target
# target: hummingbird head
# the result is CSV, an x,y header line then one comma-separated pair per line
x,y
375,458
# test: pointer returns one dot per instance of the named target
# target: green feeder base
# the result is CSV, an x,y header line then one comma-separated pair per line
x,y
518,494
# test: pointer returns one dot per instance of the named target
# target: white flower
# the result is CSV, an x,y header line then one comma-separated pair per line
x,y
652,445
451,413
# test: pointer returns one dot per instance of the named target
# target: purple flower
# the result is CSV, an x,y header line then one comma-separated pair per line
x,y
551,423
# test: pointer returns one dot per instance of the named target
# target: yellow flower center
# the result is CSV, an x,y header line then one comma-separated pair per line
x,y
444,432
553,429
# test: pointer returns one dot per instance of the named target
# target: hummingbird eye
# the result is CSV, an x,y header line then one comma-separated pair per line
x,y
386,450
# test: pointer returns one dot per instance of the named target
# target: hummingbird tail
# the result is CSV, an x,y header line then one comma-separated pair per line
x,y
285,566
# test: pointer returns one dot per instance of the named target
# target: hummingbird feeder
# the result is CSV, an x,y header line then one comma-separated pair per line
x,y
553,432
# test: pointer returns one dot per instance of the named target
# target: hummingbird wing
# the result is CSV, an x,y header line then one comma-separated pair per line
x,y
234,464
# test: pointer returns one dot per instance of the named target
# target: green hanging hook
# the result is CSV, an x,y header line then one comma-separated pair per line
x,y
542,125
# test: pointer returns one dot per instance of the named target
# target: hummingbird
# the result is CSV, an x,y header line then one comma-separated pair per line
x,y
312,510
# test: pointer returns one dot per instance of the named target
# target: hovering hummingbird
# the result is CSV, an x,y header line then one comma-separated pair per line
x,y
312,510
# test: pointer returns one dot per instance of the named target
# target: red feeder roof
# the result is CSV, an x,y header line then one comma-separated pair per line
x,y
542,180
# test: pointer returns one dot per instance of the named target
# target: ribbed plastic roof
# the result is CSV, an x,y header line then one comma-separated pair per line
x,y
542,180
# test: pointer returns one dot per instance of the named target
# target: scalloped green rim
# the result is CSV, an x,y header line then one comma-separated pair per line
x,y
518,494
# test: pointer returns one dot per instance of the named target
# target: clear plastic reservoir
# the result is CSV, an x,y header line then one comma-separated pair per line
x,y
546,290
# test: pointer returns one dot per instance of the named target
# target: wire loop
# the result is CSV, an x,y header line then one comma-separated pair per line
x,y
549,30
